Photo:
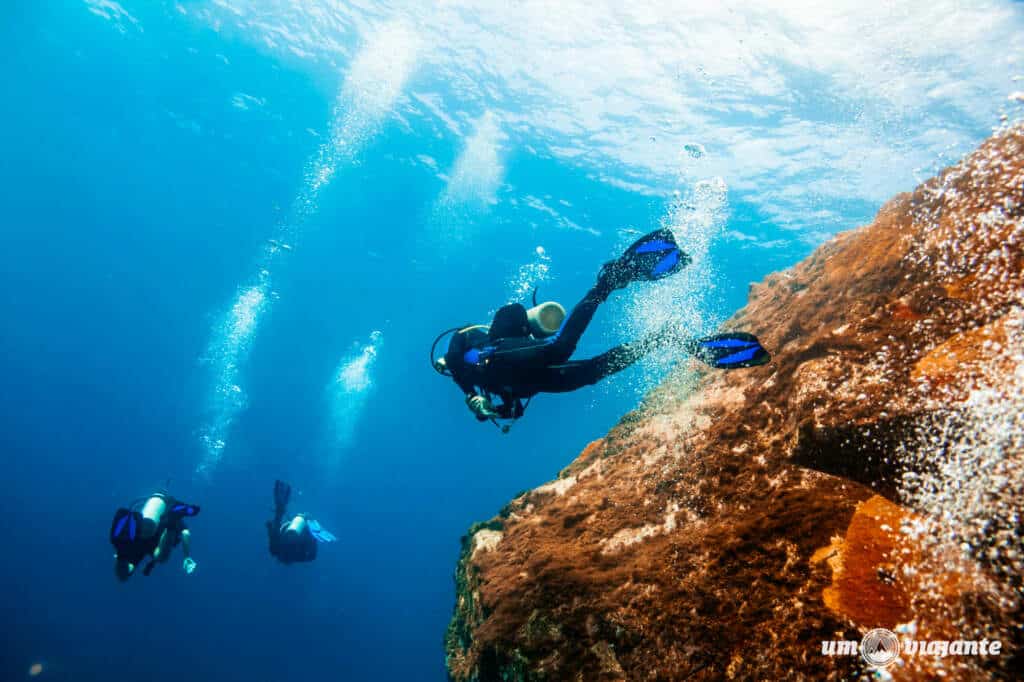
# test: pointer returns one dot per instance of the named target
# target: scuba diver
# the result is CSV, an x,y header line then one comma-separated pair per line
x,y
526,352
294,540
151,527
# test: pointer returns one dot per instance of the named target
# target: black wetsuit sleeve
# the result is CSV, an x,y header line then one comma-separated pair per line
x,y
468,391
467,388
174,525
461,342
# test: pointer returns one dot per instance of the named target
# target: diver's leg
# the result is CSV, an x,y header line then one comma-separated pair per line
x,y
559,347
519,356
282,494
162,547
562,345
570,376
652,257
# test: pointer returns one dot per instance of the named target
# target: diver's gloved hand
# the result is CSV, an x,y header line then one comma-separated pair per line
x,y
481,407
189,565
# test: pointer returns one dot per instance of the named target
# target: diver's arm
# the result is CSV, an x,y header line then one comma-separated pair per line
x,y
477,402
160,545
467,388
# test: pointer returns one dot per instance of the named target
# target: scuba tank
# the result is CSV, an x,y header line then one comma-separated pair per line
x,y
297,541
152,513
545,319
296,526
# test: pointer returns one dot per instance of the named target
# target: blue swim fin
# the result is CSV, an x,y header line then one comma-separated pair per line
x,y
124,531
731,350
319,532
124,528
652,257
183,509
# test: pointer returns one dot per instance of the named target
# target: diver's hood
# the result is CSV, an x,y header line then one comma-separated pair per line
x,y
465,338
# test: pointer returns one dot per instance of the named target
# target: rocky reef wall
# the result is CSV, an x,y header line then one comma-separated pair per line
x,y
870,476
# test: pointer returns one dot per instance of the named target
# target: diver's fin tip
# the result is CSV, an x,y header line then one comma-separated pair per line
x,y
654,256
119,527
320,534
282,493
732,350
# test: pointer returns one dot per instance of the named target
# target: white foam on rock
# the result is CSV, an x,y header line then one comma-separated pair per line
x,y
559,486
485,540
630,536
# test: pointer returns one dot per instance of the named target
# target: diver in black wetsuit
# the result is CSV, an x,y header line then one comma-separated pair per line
x,y
293,540
520,355
151,527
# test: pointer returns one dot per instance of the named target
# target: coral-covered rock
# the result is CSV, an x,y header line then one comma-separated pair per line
x,y
728,531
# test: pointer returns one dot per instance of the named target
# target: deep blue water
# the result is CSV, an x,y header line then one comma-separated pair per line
x,y
137,199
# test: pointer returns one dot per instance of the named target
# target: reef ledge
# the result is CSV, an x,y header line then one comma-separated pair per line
x,y
869,477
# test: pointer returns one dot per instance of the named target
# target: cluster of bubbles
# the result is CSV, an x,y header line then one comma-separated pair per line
x,y
694,150
478,170
965,461
348,392
374,81
472,186
226,352
353,374
529,277
695,217
965,474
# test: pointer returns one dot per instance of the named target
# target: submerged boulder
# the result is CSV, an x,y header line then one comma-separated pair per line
x,y
869,477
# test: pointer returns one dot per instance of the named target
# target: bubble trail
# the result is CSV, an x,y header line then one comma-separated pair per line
x,y
696,218
473,184
347,395
529,277
374,82
478,170
963,466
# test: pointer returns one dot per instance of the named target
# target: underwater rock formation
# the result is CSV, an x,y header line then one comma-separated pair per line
x,y
870,476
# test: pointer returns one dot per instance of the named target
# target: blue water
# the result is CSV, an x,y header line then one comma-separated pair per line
x,y
140,189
